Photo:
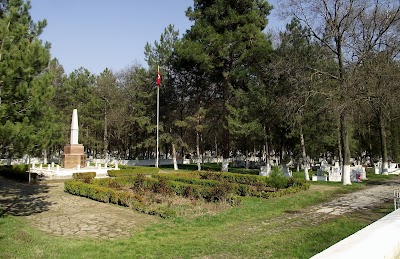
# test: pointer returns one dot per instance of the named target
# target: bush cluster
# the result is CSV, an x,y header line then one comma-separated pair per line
x,y
109,195
17,172
234,178
133,171
87,177
239,184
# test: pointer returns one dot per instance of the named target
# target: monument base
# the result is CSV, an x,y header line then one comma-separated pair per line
x,y
73,156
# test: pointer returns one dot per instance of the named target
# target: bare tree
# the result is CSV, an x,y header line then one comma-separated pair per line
x,y
338,25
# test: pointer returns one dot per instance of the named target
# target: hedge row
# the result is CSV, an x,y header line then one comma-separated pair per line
x,y
290,190
166,186
200,188
133,171
189,180
85,175
109,195
17,172
234,178
218,193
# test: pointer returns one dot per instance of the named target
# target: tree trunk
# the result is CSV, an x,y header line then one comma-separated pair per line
x,y
247,159
225,140
45,156
344,138
105,139
202,150
303,150
198,151
266,147
340,150
216,149
382,129
174,156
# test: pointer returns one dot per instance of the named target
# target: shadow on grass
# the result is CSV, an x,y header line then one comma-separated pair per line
x,y
22,199
386,180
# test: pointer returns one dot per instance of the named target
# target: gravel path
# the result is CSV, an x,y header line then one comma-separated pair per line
x,y
50,209
361,200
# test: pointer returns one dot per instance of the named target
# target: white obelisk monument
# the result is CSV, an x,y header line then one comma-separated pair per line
x,y
74,155
74,128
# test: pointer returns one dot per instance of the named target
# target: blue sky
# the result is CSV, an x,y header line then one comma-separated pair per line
x,y
99,34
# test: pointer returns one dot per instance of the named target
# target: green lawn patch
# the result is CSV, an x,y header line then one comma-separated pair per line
x,y
260,228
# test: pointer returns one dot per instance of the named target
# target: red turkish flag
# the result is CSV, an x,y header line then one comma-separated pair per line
x,y
158,78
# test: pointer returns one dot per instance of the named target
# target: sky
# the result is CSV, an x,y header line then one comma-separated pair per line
x,y
100,34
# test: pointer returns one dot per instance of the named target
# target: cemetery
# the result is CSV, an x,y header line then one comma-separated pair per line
x,y
232,136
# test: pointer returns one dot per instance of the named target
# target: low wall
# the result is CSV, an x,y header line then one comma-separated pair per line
x,y
381,239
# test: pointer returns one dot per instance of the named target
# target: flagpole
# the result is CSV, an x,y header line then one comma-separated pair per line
x,y
158,115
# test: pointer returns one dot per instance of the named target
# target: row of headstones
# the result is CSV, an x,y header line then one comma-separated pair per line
x,y
78,167
266,171
334,173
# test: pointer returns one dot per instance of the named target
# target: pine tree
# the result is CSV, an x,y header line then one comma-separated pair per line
x,y
24,83
221,41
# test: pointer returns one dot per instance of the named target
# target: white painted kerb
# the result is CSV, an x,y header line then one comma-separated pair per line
x,y
381,239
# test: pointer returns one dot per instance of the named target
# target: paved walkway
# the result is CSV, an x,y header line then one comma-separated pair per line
x,y
361,200
48,208
51,210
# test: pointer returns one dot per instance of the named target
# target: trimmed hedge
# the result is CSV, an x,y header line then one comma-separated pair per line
x,y
17,172
234,178
220,192
109,195
179,178
82,176
133,171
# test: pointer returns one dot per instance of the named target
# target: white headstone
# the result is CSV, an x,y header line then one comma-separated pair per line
x,y
287,172
78,167
335,175
40,166
363,174
265,170
325,166
52,164
58,168
116,166
74,127
225,165
105,165
33,165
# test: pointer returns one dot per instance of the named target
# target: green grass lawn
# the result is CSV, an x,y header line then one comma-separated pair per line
x,y
260,228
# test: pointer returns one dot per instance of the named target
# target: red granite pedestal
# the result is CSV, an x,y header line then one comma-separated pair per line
x,y
73,155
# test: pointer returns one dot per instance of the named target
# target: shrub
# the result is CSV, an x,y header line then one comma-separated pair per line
x,y
186,179
112,183
276,179
17,172
86,177
124,198
220,192
242,190
234,200
233,177
162,186
139,183
133,171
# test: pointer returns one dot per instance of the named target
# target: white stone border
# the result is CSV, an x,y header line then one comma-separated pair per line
x,y
381,239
